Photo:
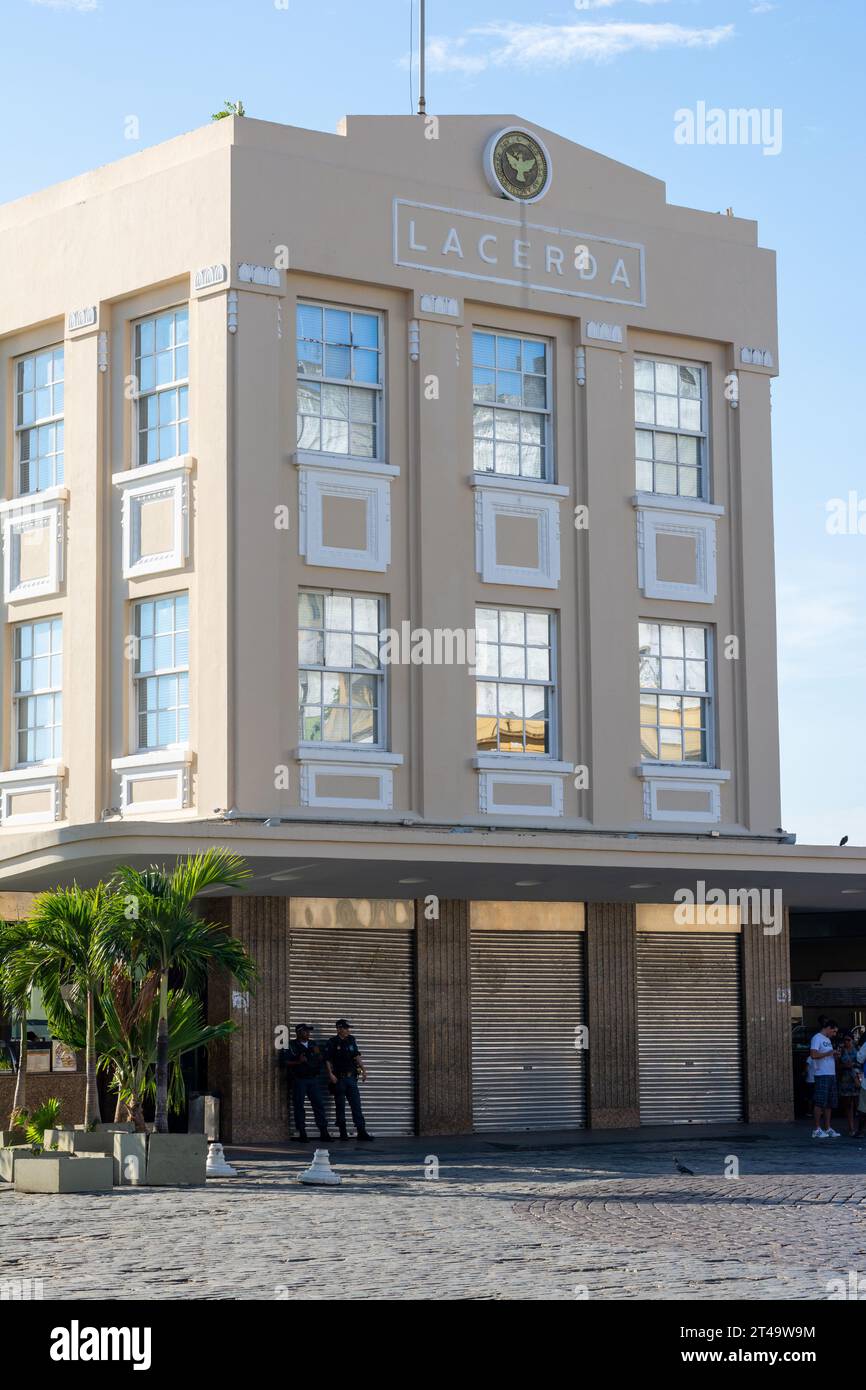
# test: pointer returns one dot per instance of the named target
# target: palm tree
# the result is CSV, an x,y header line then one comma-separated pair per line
x,y
15,996
154,929
128,1046
59,951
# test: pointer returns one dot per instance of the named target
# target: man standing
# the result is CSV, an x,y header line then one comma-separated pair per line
x,y
345,1064
305,1062
823,1054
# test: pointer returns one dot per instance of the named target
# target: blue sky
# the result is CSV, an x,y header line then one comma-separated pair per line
x,y
609,74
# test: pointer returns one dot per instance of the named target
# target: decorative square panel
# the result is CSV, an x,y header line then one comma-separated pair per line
x,y
345,513
32,795
33,544
155,519
676,551
158,781
517,531
691,795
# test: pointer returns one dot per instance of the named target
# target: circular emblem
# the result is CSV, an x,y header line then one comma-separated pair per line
x,y
517,165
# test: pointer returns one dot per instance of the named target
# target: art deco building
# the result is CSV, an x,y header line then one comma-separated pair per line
x,y
394,506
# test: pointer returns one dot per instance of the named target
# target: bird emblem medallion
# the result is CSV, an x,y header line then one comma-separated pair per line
x,y
518,165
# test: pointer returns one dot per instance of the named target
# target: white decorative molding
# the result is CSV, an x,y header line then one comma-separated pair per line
x,y
267,275
164,485
209,276
102,351
756,357
679,523
19,787
158,781
537,503
367,484
232,311
33,544
81,318
682,778
604,332
660,501
414,340
506,785
361,765
439,304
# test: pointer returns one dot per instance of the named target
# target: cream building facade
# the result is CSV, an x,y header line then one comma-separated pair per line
x,y
410,531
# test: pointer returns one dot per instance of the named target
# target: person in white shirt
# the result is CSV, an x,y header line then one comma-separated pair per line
x,y
823,1055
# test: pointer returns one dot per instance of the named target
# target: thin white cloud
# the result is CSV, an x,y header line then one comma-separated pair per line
x,y
558,45
763,7
608,4
83,6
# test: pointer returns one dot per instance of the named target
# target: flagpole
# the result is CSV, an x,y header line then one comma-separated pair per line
x,y
422,43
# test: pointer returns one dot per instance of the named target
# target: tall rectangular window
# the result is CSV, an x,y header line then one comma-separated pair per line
x,y
39,420
37,684
675,696
511,405
161,367
515,682
341,680
339,380
670,428
161,671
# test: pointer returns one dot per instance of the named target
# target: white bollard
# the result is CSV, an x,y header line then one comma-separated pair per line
x,y
217,1167
320,1170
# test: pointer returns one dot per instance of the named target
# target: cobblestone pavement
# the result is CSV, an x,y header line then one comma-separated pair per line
x,y
610,1220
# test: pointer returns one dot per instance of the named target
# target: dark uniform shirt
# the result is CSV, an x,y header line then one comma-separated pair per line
x,y
343,1055
312,1062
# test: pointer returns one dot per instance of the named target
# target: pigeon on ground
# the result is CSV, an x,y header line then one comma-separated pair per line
x,y
681,1168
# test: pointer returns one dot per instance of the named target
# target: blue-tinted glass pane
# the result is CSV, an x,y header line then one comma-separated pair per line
x,y
483,349
309,321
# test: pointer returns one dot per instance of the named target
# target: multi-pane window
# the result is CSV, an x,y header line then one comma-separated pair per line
x,y
514,683
511,405
37,682
340,678
675,700
670,428
161,351
39,420
161,671
339,380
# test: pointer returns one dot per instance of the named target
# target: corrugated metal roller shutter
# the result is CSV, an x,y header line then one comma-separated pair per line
x,y
689,1027
367,976
527,1001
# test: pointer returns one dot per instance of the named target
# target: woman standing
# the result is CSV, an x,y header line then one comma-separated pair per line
x,y
849,1081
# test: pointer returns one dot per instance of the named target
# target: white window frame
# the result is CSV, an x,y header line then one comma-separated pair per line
x,y
138,677
57,418
704,493
548,474
18,695
379,403
140,397
709,696
551,752
381,745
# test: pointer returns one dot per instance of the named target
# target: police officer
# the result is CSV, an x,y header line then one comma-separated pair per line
x,y
345,1064
305,1061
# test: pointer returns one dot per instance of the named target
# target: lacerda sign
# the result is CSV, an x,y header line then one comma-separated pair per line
x,y
507,251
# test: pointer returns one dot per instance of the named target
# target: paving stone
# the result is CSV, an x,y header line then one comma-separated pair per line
x,y
615,1219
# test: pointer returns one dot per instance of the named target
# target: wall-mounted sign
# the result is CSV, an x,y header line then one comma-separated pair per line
x,y
517,165
38,1061
62,1057
505,251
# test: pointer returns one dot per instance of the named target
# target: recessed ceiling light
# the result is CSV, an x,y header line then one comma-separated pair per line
x,y
644,885
412,880
852,890
527,882
285,874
